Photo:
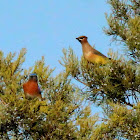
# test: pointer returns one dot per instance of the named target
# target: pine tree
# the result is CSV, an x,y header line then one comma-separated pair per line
x,y
115,85
58,117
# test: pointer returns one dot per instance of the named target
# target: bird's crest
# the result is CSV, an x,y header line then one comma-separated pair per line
x,y
82,39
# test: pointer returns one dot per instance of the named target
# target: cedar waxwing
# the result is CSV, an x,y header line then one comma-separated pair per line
x,y
91,54
31,88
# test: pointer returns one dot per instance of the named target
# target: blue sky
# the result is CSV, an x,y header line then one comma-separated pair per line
x,y
46,27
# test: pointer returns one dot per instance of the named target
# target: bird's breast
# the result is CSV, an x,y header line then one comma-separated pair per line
x,y
31,88
88,55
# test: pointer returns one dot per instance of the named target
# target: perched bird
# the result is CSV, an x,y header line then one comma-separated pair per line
x,y
31,88
91,54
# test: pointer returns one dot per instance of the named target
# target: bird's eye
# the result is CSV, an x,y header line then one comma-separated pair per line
x,y
81,38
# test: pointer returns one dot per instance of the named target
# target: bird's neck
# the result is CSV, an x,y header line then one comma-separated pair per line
x,y
86,47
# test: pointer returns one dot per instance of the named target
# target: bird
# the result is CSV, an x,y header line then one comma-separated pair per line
x,y
31,88
91,54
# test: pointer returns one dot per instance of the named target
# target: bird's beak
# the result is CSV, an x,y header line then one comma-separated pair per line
x,y
78,39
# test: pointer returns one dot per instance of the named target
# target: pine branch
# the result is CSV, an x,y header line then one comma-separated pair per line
x,y
2,101
81,81
128,104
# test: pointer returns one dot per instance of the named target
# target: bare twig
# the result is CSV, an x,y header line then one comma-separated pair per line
x,y
128,104
81,81
2,101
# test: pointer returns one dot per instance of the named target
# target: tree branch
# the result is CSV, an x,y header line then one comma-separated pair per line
x,y
128,104
81,81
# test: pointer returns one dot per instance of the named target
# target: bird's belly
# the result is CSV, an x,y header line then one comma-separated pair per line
x,y
30,95
32,91
94,58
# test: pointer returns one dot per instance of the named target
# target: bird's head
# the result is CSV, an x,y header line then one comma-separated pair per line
x,y
33,77
82,39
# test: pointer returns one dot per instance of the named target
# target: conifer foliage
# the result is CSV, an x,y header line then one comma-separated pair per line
x,y
119,80
57,117
114,86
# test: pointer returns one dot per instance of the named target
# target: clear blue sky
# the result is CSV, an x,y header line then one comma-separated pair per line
x,y
45,27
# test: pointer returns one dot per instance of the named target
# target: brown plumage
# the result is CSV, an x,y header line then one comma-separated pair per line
x,y
91,54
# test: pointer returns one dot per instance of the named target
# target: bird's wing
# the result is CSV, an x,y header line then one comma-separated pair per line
x,y
98,53
24,87
39,90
